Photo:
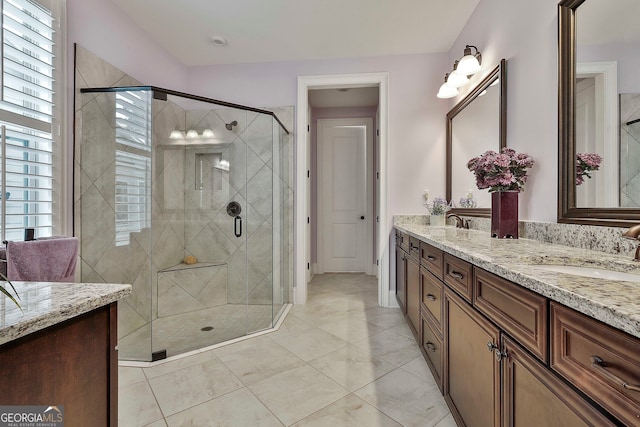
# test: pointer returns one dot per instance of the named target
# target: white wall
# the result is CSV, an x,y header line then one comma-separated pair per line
x,y
102,28
525,33
105,30
416,117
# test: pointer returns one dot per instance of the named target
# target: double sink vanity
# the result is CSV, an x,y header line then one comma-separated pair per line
x,y
521,332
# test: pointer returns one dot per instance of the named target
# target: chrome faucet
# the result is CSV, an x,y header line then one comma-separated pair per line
x,y
460,222
634,234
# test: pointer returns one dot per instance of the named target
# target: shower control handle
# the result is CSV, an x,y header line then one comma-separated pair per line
x,y
237,226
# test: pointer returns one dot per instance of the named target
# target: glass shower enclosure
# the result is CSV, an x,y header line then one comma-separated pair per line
x,y
186,198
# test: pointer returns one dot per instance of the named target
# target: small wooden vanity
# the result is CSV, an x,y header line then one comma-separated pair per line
x,y
506,355
62,350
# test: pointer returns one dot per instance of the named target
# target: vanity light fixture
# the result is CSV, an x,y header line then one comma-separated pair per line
x,y
208,133
470,63
176,134
447,91
192,134
456,79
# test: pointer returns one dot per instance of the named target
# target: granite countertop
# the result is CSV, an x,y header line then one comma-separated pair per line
x,y
47,303
616,303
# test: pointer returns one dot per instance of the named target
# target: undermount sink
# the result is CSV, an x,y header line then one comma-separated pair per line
x,y
595,272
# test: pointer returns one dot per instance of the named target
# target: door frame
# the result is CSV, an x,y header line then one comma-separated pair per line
x,y
369,166
302,233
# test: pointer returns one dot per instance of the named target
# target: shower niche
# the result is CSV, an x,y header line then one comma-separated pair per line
x,y
157,170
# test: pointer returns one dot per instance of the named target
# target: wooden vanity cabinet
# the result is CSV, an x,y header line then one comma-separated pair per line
x,y
401,272
503,355
599,360
432,292
472,371
413,294
518,311
458,275
532,396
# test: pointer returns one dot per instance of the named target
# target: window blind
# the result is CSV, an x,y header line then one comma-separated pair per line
x,y
133,164
26,114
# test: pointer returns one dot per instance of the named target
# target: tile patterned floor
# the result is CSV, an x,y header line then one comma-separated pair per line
x,y
339,360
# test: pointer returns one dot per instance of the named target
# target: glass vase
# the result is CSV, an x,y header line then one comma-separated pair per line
x,y
504,214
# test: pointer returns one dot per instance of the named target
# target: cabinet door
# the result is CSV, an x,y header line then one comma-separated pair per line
x,y
472,373
413,294
401,279
534,397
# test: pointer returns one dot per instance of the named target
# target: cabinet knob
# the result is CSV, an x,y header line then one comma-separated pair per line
x,y
362,217
431,258
431,297
431,347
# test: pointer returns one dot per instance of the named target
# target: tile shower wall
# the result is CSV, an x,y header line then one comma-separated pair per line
x,y
185,220
629,150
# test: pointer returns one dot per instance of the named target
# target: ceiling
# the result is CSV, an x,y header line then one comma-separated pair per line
x,y
294,30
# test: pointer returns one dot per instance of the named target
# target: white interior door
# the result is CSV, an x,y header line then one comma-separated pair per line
x,y
344,195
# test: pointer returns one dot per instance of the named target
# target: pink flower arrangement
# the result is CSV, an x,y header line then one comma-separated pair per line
x,y
585,163
506,171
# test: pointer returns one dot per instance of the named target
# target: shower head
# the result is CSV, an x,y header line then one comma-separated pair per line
x,y
230,126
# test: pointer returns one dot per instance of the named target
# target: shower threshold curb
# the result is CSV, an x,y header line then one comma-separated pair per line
x,y
136,364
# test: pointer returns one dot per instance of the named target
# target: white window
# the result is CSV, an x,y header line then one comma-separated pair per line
x,y
133,164
30,51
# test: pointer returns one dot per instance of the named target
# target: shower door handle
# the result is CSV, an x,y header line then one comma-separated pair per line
x,y
237,226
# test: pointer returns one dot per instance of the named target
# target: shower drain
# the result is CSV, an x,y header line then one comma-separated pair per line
x,y
207,328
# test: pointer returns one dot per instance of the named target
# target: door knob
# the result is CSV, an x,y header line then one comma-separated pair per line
x,y
362,217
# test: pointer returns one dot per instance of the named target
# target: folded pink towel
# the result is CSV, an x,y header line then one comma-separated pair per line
x,y
44,260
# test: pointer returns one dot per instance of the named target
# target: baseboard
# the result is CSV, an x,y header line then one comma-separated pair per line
x,y
393,302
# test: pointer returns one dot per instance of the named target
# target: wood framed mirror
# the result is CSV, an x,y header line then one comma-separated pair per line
x,y
598,100
476,124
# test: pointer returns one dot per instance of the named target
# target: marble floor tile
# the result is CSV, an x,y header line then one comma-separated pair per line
x,y
395,348
163,368
351,329
297,393
419,367
128,376
384,317
302,374
350,411
310,344
406,398
187,387
239,408
291,325
137,406
255,360
352,367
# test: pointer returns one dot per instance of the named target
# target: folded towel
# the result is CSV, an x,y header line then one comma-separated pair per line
x,y
43,260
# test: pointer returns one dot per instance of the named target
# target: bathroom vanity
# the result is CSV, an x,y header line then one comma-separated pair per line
x,y
61,349
510,340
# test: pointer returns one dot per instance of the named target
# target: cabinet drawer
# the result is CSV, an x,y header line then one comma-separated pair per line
x,y
414,248
402,240
431,258
432,297
457,274
518,311
576,340
432,349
